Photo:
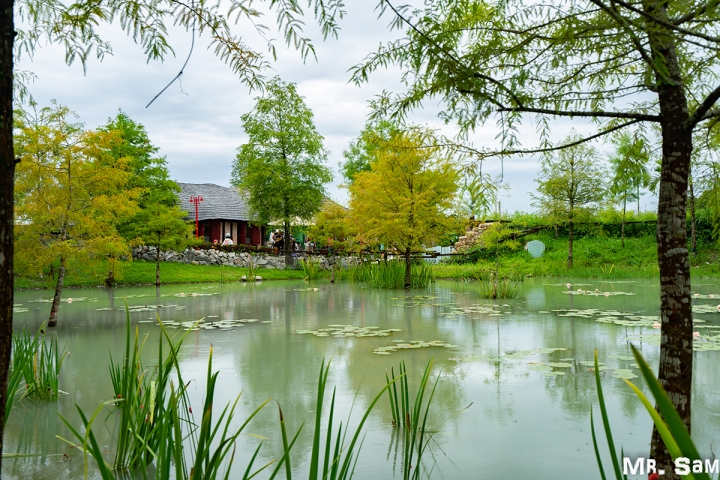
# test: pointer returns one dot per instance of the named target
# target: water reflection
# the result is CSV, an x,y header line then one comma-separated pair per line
x,y
492,414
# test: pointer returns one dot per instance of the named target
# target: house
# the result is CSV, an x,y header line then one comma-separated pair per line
x,y
223,210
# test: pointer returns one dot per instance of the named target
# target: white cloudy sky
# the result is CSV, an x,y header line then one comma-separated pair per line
x,y
196,124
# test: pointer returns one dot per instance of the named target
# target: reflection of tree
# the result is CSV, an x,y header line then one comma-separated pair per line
x,y
503,410
285,365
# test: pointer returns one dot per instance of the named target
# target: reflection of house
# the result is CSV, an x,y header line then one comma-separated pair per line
x,y
223,210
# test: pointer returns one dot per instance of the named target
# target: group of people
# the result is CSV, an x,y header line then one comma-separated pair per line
x,y
277,241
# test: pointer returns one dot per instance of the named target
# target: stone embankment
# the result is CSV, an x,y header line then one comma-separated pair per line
x,y
232,259
472,237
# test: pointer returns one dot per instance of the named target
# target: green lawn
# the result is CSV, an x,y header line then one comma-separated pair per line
x,y
140,272
595,257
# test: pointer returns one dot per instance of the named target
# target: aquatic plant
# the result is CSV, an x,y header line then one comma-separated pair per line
x,y
156,425
141,397
388,275
156,421
24,347
310,269
412,419
494,289
340,458
251,269
666,419
38,362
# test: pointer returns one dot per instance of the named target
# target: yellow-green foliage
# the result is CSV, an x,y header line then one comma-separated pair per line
x,y
331,225
405,199
67,202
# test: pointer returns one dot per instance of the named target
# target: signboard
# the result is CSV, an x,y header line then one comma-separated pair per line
x,y
536,248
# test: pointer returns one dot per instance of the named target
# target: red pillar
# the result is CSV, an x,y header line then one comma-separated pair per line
x,y
242,235
255,237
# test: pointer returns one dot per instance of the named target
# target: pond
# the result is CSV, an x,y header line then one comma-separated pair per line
x,y
500,410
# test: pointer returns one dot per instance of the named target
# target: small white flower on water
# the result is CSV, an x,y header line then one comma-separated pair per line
x,y
69,300
656,325
579,289
569,285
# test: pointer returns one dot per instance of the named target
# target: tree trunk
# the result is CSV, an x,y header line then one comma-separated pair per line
x,y
676,352
570,244
622,225
7,176
408,265
556,230
157,266
287,245
52,321
693,235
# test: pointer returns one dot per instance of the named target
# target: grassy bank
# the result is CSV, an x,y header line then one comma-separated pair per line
x,y
142,273
594,257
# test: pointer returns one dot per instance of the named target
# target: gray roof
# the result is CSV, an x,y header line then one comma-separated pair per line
x,y
219,203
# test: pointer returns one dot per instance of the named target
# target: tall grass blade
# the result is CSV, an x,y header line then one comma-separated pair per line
x,y
670,426
595,447
606,422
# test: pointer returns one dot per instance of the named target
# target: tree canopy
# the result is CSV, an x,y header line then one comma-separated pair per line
x,y
281,167
71,197
362,151
630,173
406,197
616,62
78,28
571,181
159,221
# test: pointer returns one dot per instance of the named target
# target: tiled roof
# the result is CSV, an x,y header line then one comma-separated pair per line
x,y
219,203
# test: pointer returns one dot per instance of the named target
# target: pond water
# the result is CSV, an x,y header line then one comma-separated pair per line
x,y
498,413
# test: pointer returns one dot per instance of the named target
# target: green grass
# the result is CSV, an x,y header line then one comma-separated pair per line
x,y
390,275
39,363
311,270
594,257
156,423
504,288
411,419
140,272
665,417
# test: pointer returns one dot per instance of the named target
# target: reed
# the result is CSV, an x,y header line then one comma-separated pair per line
x,y
251,270
141,394
390,275
156,423
311,270
37,361
340,456
412,419
22,344
495,289
665,417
